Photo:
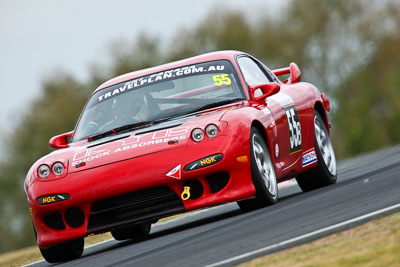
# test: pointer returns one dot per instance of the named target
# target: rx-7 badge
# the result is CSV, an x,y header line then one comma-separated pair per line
x,y
175,173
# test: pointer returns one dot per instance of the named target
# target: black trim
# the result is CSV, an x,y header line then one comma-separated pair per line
x,y
135,207
53,198
203,162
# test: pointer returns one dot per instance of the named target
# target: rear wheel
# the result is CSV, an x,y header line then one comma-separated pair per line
x,y
63,252
136,232
263,174
325,172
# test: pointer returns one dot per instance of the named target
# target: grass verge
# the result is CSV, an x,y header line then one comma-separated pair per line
x,y
375,243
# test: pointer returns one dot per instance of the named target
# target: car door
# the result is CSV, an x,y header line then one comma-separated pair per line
x,y
283,107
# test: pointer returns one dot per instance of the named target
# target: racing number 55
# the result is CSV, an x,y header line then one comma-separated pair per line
x,y
221,79
294,128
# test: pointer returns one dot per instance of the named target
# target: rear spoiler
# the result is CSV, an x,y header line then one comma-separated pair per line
x,y
293,71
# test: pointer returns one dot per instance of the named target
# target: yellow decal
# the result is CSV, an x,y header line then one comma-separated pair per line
x,y
207,161
49,199
221,79
186,193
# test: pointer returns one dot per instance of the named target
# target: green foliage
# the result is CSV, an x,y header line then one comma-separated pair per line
x,y
143,54
369,113
349,49
56,111
229,31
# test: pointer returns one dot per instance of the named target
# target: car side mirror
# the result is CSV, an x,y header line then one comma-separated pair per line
x,y
262,91
60,141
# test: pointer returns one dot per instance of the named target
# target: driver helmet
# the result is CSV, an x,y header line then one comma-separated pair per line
x,y
130,108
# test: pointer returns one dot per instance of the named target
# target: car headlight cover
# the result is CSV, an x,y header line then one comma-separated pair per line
x,y
43,171
58,168
211,130
197,135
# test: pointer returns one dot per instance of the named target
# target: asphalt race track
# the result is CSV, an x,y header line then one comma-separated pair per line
x,y
368,187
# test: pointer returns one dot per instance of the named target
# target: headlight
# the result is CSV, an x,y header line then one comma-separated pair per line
x,y
43,171
197,135
211,130
58,168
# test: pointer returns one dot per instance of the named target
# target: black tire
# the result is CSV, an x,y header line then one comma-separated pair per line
x,y
34,231
63,252
136,232
325,172
262,173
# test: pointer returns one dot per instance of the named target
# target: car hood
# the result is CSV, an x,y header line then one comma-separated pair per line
x,y
85,155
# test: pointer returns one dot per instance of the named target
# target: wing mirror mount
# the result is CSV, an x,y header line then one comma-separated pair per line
x,y
61,140
261,91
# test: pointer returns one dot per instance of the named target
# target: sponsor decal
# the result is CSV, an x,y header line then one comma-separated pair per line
x,y
309,157
133,142
294,128
204,162
175,172
208,67
49,199
282,98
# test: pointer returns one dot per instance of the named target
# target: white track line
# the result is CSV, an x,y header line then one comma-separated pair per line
x,y
293,240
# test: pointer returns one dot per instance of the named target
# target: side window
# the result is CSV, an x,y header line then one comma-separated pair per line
x,y
252,73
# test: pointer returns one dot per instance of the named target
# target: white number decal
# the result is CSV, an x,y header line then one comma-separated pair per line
x,y
294,128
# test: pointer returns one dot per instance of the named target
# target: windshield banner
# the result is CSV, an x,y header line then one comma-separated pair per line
x,y
196,69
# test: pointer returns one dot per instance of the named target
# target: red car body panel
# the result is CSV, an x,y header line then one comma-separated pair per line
x,y
140,162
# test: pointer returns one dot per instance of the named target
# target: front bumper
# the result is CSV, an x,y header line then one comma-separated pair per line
x,y
132,177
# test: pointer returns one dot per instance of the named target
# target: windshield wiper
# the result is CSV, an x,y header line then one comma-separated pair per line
x,y
216,104
121,129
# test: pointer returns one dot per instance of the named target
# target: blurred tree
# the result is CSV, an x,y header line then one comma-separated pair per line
x,y
368,117
56,111
143,54
231,30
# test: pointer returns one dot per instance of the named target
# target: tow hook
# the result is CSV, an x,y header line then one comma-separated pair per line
x,y
186,193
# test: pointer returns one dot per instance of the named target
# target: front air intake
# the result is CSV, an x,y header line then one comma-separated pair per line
x,y
134,207
54,221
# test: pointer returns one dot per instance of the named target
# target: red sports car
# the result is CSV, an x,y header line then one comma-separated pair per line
x,y
199,132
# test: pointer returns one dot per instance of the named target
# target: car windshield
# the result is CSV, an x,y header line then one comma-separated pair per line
x,y
158,96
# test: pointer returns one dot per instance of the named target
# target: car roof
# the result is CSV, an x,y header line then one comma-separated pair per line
x,y
228,54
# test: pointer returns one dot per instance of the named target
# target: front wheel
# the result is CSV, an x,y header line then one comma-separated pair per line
x,y
325,172
263,174
63,252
